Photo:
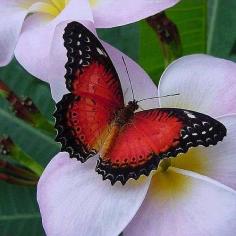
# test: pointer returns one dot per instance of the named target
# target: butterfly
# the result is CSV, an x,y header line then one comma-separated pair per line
x,y
94,119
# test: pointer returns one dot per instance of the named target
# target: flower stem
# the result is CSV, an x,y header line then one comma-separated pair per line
x,y
11,169
9,148
168,36
18,155
15,180
165,164
26,110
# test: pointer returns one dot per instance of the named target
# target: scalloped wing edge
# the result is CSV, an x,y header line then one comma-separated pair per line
x,y
124,174
68,144
104,168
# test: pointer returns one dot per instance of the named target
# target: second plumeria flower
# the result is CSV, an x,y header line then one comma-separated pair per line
x,y
27,26
185,195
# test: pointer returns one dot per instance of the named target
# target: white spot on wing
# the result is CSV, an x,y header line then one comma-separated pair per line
x,y
101,52
87,40
190,115
204,123
196,125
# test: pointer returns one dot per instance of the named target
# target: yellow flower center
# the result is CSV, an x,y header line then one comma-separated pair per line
x,y
52,7
189,161
93,2
166,182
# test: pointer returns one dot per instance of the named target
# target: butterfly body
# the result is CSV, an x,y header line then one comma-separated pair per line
x,y
125,114
93,118
122,118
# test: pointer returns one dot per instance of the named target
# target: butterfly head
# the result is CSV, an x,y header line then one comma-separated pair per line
x,y
133,105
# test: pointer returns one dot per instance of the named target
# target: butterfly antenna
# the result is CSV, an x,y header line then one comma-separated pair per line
x,y
128,77
169,95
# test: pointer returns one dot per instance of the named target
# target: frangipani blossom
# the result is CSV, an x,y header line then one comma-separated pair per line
x,y
27,26
194,196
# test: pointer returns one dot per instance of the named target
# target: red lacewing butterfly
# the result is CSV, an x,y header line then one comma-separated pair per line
x,y
93,117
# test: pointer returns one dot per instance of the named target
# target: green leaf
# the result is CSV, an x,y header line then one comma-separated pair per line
x,y
24,84
222,29
41,147
125,38
190,18
19,214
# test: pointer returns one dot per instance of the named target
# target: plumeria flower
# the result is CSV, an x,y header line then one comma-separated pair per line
x,y
192,194
27,26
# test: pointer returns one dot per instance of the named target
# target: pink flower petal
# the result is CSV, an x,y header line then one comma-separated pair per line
x,y
142,85
12,18
205,84
182,203
35,41
74,200
217,162
109,13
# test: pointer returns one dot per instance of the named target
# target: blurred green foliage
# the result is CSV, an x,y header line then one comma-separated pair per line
x,y
19,213
222,29
190,18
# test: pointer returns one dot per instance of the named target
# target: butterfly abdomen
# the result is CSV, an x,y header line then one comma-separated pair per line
x,y
110,139
122,118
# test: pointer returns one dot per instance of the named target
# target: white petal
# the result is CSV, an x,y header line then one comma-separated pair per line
x,y
74,200
206,84
182,203
12,18
217,162
110,13
36,38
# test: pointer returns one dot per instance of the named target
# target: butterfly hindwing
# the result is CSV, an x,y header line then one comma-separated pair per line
x,y
153,135
198,129
83,116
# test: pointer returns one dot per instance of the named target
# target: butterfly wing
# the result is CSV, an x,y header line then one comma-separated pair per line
x,y
83,115
153,135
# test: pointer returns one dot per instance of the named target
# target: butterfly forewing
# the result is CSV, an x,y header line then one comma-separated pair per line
x,y
83,49
153,135
84,115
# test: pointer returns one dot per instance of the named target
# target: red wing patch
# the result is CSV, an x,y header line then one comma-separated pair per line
x,y
153,135
98,83
83,50
82,116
